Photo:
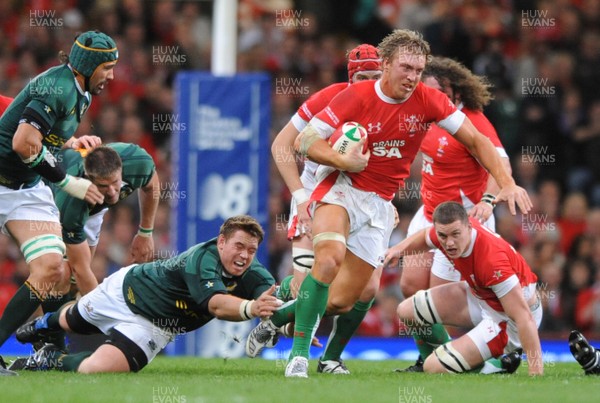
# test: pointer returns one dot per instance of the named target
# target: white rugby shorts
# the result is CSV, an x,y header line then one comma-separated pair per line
x,y
105,308
490,325
31,204
371,218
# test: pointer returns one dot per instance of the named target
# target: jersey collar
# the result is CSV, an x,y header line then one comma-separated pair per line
x,y
468,252
81,91
384,97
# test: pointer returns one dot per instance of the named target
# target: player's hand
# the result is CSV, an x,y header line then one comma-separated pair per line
x,y
93,195
355,160
266,304
481,211
88,142
393,256
142,249
82,189
304,220
515,194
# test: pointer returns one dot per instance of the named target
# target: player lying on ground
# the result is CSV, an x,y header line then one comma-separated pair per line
x,y
497,298
141,308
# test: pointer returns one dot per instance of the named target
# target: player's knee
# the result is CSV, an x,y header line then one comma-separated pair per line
x,y
446,358
302,259
330,250
326,267
424,310
405,310
337,305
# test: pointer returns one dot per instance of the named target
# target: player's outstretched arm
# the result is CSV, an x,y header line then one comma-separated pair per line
x,y
417,242
142,246
80,261
285,158
482,148
516,308
231,308
484,209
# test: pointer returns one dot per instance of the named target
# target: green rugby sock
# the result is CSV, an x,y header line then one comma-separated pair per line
x,y
22,305
285,314
71,362
310,308
428,338
53,304
344,327
285,291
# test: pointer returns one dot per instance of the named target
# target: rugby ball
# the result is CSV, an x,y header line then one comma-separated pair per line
x,y
347,136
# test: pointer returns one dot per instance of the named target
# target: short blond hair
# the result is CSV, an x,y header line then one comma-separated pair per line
x,y
405,41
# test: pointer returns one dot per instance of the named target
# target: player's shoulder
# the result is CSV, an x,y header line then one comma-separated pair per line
x,y
333,89
56,87
365,86
477,118
72,160
257,271
126,150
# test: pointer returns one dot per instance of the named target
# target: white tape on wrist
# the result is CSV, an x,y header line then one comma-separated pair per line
x,y
76,187
246,309
300,196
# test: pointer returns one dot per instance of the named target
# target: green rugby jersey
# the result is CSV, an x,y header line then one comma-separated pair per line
x,y
138,168
56,104
174,293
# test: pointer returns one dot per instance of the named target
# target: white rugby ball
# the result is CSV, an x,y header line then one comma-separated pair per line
x,y
347,136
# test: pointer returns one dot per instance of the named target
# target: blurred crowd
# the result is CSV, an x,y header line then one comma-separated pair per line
x,y
543,58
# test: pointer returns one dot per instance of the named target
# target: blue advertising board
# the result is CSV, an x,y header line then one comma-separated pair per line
x,y
221,153
221,157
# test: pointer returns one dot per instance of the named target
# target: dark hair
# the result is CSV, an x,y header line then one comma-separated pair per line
x,y
242,222
102,162
474,90
448,212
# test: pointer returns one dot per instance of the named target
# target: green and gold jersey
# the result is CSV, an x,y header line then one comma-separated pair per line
x,y
174,293
138,169
53,103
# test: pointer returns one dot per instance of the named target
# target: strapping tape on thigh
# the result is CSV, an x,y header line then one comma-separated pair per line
x,y
329,236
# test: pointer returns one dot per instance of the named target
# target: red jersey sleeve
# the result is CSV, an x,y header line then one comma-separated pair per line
x,y
441,109
319,100
344,107
484,126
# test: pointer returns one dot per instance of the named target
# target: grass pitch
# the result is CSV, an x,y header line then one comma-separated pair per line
x,y
186,380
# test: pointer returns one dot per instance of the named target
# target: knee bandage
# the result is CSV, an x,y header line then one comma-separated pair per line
x,y
303,259
329,236
42,245
425,312
451,359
